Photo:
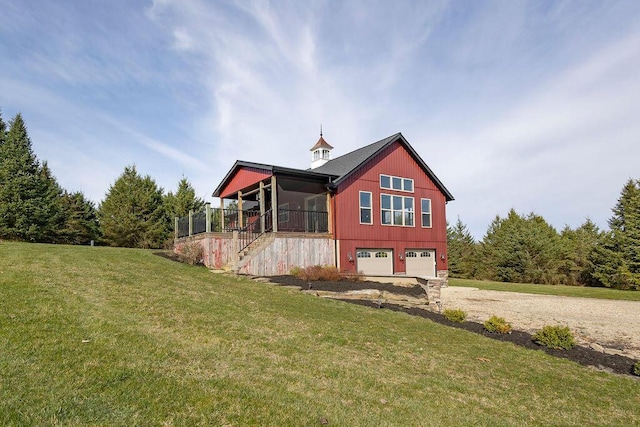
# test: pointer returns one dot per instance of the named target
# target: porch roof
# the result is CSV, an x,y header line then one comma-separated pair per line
x,y
270,170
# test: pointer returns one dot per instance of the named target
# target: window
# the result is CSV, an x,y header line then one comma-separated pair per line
x,y
411,254
382,254
365,208
363,254
396,183
396,210
426,212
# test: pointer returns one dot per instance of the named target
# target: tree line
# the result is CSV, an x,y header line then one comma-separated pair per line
x,y
526,249
136,212
34,207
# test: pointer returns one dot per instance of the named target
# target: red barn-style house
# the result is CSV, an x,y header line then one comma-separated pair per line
x,y
379,210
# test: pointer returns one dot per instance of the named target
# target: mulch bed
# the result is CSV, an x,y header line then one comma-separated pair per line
x,y
582,355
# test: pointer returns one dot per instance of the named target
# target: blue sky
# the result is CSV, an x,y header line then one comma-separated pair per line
x,y
513,104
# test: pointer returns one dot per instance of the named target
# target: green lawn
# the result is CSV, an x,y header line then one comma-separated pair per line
x,y
567,291
103,336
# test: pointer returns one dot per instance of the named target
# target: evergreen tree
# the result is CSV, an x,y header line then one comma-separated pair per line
x,y
461,248
3,131
521,249
80,224
132,213
578,245
29,194
616,261
183,201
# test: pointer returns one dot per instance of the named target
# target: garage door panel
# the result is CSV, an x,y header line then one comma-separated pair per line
x,y
420,262
375,262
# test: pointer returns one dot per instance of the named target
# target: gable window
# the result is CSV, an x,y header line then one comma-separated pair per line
x,y
426,212
366,216
396,210
396,183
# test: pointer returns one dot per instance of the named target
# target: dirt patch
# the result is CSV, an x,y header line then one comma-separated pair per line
x,y
526,312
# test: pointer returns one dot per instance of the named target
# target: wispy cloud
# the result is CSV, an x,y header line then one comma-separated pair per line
x,y
522,104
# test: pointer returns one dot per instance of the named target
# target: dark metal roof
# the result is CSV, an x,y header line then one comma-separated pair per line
x,y
349,163
340,168
343,165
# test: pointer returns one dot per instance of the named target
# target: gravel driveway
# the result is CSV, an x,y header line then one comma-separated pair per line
x,y
612,324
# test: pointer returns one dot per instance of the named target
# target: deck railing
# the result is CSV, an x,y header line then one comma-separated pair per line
x,y
228,220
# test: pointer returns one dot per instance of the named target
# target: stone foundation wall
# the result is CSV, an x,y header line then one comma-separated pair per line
x,y
444,275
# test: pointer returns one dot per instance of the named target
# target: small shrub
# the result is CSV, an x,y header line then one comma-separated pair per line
x,y
558,337
636,369
329,273
191,253
316,272
296,272
455,315
498,325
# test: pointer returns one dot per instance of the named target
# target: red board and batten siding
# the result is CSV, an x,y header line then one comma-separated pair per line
x,y
244,177
395,160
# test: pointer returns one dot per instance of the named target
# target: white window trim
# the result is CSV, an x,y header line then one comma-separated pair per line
x,y
413,183
361,207
403,210
430,214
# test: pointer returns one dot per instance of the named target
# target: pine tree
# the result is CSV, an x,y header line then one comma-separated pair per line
x,y
183,201
80,224
461,248
132,213
616,261
3,131
578,245
521,249
29,194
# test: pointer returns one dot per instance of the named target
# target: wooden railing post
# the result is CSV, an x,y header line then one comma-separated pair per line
x,y
208,217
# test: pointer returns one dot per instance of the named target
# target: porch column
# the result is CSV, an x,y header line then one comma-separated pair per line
x,y
240,209
262,225
222,215
207,209
274,203
329,215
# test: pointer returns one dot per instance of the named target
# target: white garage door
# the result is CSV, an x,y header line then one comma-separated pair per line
x,y
420,262
375,262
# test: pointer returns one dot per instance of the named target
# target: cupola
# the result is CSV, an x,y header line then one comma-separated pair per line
x,y
320,153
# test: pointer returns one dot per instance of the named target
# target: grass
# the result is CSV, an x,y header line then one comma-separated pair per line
x,y
567,291
104,336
